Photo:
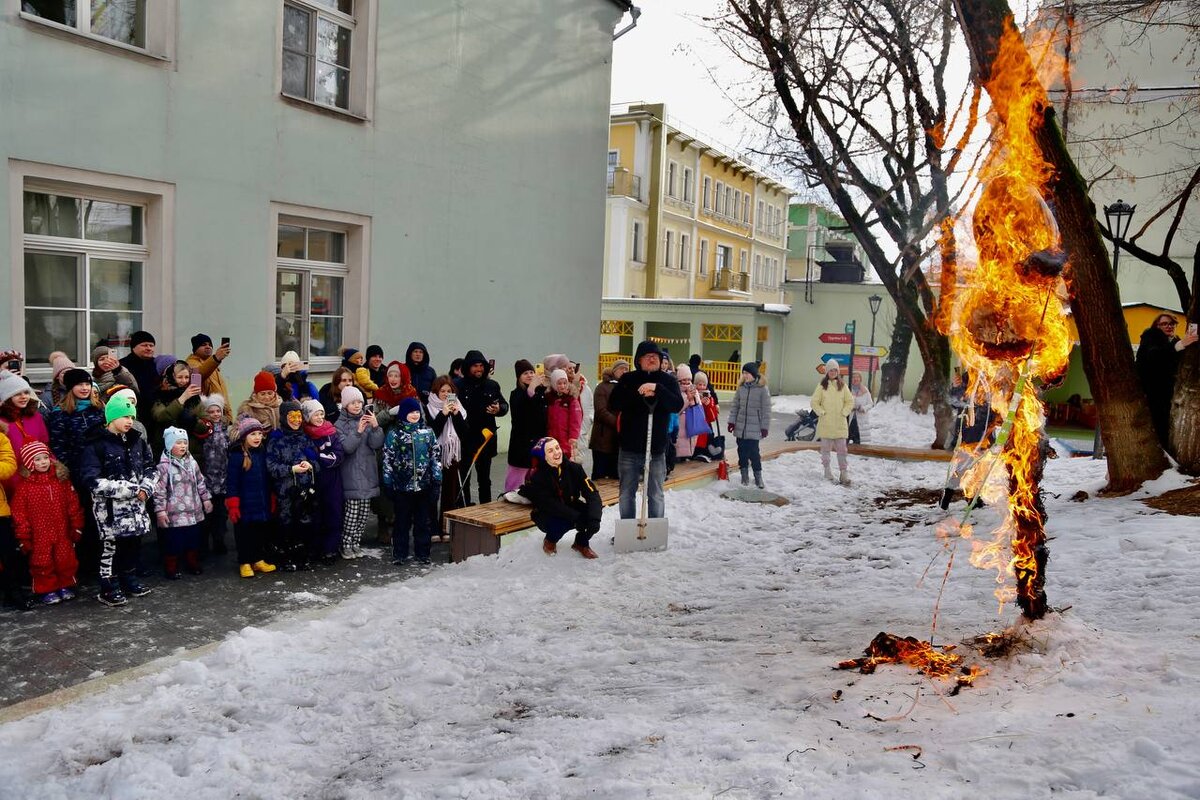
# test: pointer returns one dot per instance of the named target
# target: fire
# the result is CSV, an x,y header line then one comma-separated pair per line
x,y
1003,310
887,648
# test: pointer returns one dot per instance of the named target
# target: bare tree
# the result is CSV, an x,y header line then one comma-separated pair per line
x,y
857,96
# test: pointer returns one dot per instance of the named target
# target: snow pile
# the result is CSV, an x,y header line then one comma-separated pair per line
x,y
700,671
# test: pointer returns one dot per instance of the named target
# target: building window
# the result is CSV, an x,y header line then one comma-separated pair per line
x,y
121,21
707,190
758,276
758,219
83,276
614,161
724,257
720,198
316,50
729,200
703,256
670,246
671,179
687,185
746,210
742,262
685,253
310,287
637,242
737,205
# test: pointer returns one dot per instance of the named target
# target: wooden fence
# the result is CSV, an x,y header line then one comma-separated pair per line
x,y
723,376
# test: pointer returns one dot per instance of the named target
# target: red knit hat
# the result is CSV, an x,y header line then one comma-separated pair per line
x,y
31,450
264,382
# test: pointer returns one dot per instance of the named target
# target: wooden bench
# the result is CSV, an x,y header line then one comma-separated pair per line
x,y
476,530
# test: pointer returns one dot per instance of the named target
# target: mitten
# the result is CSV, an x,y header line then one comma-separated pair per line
x,y
730,427
233,506
763,431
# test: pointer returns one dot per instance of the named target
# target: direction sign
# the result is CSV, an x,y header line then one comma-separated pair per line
x,y
841,358
850,327
836,338
864,350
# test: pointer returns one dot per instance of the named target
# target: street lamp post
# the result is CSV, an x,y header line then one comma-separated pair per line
x,y
874,301
1118,216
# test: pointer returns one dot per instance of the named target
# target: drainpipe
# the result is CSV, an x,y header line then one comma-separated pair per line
x,y
634,12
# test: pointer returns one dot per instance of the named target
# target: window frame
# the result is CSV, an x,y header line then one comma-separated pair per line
x,y
361,80
159,31
669,245
707,191
638,244
355,274
689,188
703,257
685,261
672,169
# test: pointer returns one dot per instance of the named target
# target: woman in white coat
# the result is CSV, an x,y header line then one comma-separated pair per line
x,y
863,403
833,403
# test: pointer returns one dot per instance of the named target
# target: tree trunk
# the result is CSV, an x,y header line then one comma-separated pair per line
x,y
896,365
1134,455
1185,405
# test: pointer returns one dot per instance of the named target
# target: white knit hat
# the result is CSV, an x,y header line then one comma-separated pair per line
x,y
833,364
683,372
214,399
557,375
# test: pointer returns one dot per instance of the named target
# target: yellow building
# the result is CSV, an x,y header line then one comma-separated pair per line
x,y
690,225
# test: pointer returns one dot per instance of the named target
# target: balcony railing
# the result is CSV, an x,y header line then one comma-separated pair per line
x,y
623,183
726,280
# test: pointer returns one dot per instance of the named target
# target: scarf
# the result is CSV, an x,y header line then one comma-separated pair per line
x,y
319,431
451,444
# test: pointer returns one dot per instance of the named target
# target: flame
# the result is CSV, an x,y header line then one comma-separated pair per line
x,y
887,648
1003,310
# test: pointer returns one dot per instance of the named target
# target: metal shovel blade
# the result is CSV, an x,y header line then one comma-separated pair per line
x,y
631,537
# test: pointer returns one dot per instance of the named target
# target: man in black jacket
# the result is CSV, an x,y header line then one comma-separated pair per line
x,y
480,397
645,394
140,363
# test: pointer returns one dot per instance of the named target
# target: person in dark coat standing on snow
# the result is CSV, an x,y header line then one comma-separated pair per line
x,y
1157,361
481,399
645,393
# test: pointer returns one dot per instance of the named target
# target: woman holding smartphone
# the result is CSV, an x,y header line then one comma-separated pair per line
x,y
178,406
448,419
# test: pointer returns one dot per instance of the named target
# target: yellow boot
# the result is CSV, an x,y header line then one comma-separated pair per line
x,y
262,566
246,571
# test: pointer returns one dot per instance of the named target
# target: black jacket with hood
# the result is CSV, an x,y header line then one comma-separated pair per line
x,y
422,375
476,394
632,409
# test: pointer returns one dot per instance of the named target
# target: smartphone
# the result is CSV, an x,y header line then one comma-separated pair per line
x,y
452,398
224,341
1191,332
539,368
196,379
491,365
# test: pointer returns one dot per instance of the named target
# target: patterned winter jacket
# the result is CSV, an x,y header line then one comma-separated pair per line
x,y
215,461
412,458
180,491
69,434
114,468
46,507
285,449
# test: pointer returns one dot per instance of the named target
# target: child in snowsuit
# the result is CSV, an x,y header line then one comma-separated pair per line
x,y
292,463
412,474
248,498
750,421
362,438
118,469
181,500
48,521
563,498
214,464
331,497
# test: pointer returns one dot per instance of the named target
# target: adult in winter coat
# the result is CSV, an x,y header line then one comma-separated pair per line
x,y
1157,362
863,403
685,442
832,402
375,364
107,371
972,430
118,469
646,395
292,383
420,368
140,363
263,402
448,419
527,409
480,397
178,406
207,360
563,498
750,421
48,521
396,386
603,440
330,394
13,568
362,439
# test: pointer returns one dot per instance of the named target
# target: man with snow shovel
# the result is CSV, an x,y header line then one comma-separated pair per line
x,y
647,393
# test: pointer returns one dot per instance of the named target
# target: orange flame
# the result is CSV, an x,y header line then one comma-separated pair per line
x,y
1003,310
887,648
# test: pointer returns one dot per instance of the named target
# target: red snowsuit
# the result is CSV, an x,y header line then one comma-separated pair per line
x,y
47,519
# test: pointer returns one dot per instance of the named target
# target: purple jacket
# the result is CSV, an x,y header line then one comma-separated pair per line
x,y
180,491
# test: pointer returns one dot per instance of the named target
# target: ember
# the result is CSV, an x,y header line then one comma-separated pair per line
x,y
887,648
1003,309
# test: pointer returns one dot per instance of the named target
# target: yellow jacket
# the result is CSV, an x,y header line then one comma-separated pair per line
x,y
832,408
8,468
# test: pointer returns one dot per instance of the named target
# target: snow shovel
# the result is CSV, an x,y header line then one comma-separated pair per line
x,y
642,534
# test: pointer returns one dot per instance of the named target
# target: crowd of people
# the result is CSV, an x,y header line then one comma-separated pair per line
x,y
149,444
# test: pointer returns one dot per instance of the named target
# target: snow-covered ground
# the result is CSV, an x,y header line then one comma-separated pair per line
x,y
705,670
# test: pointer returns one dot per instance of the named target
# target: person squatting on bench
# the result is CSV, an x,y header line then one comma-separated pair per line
x,y
563,498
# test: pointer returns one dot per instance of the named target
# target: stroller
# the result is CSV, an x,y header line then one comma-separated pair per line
x,y
804,429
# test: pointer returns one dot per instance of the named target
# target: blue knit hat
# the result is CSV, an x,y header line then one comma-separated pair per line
x,y
538,451
172,435
409,405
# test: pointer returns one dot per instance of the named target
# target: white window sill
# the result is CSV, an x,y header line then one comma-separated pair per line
x,y
334,111
91,40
